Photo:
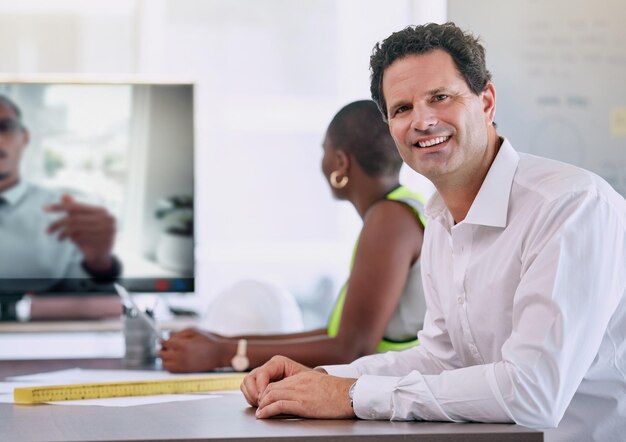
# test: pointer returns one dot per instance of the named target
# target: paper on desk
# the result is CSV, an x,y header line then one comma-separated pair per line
x,y
7,387
81,376
6,390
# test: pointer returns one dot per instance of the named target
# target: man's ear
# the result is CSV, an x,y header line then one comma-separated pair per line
x,y
25,137
489,103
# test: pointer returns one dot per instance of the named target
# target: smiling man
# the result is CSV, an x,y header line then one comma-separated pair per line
x,y
524,271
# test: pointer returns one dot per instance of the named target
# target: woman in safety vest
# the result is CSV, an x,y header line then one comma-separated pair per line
x,y
381,306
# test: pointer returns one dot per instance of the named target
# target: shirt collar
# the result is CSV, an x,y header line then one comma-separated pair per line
x,y
14,194
491,205
435,207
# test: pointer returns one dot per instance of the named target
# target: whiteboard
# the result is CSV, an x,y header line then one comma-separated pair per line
x,y
559,68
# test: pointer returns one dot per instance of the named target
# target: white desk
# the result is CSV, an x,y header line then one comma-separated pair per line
x,y
226,418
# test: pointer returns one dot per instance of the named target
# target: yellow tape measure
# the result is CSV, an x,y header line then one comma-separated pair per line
x,y
70,392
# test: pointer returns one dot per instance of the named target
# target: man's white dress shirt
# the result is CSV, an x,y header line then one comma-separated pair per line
x,y
526,318
27,251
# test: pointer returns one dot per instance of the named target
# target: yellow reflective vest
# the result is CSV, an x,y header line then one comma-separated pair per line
x,y
415,202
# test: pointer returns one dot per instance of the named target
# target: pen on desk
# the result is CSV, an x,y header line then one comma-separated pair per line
x,y
129,303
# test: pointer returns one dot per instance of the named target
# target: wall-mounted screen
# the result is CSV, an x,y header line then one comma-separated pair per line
x,y
96,169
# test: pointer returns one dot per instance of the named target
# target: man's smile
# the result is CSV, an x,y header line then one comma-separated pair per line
x,y
431,143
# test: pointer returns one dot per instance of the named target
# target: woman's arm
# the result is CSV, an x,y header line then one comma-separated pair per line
x,y
269,337
389,244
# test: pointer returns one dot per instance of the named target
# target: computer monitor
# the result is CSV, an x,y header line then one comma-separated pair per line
x,y
124,146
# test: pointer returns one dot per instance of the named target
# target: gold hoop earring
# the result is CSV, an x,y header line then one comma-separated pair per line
x,y
337,184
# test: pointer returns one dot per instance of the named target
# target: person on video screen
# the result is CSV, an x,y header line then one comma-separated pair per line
x,y
45,235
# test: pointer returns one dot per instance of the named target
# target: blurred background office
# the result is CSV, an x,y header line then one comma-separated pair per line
x,y
268,76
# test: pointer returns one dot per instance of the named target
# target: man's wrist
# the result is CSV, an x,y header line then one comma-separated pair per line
x,y
341,371
104,274
98,265
351,394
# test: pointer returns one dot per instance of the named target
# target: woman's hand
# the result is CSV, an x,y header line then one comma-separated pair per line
x,y
192,350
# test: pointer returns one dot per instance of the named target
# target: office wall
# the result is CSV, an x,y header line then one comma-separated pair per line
x,y
270,76
559,67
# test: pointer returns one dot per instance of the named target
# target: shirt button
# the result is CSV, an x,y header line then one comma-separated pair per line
x,y
372,414
460,300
